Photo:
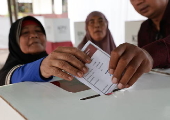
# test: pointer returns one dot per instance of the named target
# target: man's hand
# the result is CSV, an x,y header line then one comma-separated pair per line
x,y
127,63
65,60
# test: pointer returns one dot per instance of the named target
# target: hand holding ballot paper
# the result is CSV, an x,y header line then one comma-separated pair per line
x,y
98,77
122,68
128,62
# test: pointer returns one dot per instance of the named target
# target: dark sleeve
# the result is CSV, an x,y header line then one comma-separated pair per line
x,y
140,36
160,52
29,72
143,34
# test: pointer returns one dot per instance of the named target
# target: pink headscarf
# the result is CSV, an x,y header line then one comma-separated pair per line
x,y
107,44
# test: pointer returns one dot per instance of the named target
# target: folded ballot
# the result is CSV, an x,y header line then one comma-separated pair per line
x,y
98,77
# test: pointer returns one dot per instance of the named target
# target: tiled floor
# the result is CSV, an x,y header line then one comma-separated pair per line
x,y
3,56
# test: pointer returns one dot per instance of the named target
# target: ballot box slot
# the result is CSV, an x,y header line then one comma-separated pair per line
x,y
98,95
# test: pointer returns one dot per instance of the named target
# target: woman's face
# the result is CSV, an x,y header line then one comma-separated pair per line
x,y
32,39
97,27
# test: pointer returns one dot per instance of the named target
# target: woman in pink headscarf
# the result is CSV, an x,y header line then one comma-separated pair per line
x,y
97,31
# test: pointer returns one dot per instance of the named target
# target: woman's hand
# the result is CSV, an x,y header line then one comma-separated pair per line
x,y
128,62
65,61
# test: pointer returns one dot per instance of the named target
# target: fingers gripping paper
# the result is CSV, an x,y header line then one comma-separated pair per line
x,y
98,77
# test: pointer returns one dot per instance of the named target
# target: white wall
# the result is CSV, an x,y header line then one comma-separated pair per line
x,y
42,6
131,31
4,31
3,7
116,11
58,6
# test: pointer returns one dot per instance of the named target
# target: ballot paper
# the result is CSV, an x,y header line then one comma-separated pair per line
x,y
98,77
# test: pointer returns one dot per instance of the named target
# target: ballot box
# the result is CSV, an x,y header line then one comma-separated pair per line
x,y
147,99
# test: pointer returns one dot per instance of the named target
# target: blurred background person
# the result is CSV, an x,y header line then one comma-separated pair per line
x,y
97,31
